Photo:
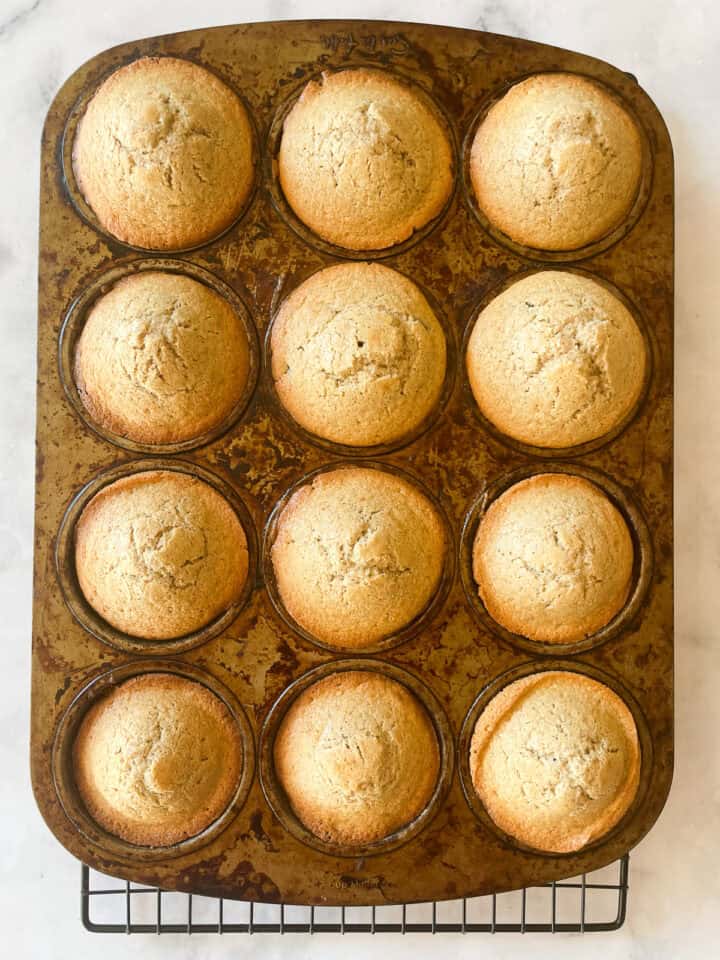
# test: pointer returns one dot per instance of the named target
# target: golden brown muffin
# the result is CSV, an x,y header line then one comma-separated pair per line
x,y
357,556
556,360
160,554
553,559
157,760
164,154
364,161
357,757
161,359
556,162
555,759
358,356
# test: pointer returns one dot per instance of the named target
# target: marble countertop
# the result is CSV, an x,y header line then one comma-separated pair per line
x,y
672,47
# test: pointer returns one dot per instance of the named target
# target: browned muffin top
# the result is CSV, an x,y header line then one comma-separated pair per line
x,y
357,756
553,558
159,554
555,758
164,154
364,160
161,359
157,759
556,360
358,356
358,554
556,163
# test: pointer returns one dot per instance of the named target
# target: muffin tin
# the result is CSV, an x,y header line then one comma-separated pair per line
x,y
252,656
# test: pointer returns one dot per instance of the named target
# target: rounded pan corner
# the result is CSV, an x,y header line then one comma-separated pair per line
x,y
623,80
90,71
661,125
74,82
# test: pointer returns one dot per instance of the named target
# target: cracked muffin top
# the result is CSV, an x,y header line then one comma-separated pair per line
x,y
161,359
157,759
553,558
357,757
556,163
556,360
164,154
364,160
555,759
358,554
358,356
160,554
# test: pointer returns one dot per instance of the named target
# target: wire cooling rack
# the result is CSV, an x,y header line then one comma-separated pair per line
x,y
592,902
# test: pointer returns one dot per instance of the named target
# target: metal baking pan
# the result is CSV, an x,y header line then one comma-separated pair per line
x,y
253,657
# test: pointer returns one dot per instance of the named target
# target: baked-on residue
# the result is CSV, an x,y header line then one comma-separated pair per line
x,y
357,757
157,760
555,759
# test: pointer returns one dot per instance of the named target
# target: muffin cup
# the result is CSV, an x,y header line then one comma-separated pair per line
x,y
272,179
62,763
411,629
276,797
559,256
74,322
75,194
642,561
88,618
491,690
378,449
579,449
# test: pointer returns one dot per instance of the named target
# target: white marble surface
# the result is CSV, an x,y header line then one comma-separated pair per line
x,y
673,48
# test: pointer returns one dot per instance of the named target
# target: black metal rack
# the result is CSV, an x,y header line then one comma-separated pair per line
x,y
593,902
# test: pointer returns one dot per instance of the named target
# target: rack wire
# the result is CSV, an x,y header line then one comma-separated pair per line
x,y
590,903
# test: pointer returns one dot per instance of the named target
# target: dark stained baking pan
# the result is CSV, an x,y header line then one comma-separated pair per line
x,y
256,660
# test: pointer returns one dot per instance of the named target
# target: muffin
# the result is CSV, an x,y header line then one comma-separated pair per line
x,y
357,757
161,359
556,360
164,154
555,759
364,160
553,559
358,356
358,554
556,163
160,554
157,760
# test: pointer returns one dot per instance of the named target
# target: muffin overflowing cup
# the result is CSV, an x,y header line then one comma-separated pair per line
x,y
417,547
